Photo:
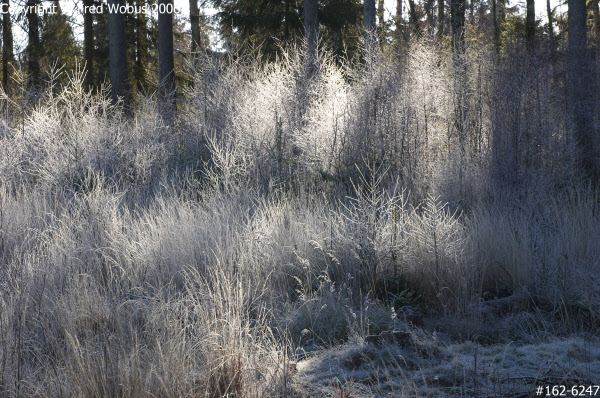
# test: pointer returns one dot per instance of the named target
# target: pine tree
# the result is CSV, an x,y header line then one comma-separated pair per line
x,y
59,45
273,23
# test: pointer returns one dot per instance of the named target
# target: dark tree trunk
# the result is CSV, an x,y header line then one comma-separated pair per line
x,y
597,38
428,5
414,19
530,24
380,22
311,28
369,21
481,20
7,48
551,24
166,65
578,94
88,43
195,24
457,19
440,18
496,26
399,21
33,47
117,57
596,10
141,49
286,18
472,11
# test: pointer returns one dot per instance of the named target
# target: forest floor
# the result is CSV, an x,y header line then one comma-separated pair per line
x,y
425,363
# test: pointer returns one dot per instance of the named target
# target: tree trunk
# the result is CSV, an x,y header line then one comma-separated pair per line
x,y
457,20
530,24
496,26
440,17
596,11
33,47
597,38
380,22
286,20
141,49
472,11
551,25
7,48
311,28
414,19
428,5
399,21
166,65
369,22
88,43
195,23
578,95
117,57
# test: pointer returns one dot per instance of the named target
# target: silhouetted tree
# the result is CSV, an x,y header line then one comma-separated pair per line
x,y
551,24
88,43
596,10
440,19
33,46
166,65
7,47
195,25
457,19
341,22
530,23
496,25
414,17
142,47
380,22
267,23
399,21
59,47
311,27
369,22
428,6
273,23
117,50
578,78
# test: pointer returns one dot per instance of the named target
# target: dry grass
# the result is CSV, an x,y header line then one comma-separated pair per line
x,y
280,218
429,367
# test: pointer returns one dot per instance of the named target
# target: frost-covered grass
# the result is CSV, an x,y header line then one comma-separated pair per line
x,y
285,214
428,367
